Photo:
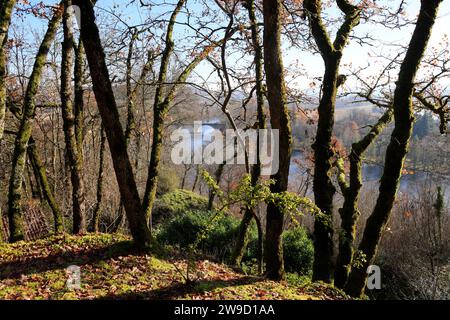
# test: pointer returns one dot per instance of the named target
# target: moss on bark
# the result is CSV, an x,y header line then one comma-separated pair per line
x,y
349,212
398,146
72,147
45,186
100,178
111,120
241,244
280,120
324,189
79,98
24,133
6,8
161,107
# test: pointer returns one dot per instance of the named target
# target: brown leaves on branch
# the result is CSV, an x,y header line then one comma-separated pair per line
x,y
26,7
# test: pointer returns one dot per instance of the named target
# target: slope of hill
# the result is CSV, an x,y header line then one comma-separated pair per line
x,y
110,270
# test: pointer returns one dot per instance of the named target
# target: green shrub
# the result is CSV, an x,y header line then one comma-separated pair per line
x,y
183,230
298,251
168,181
175,203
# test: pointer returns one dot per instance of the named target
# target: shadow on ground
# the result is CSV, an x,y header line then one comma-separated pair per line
x,y
31,265
179,290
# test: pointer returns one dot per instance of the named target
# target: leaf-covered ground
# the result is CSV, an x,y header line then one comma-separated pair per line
x,y
110,270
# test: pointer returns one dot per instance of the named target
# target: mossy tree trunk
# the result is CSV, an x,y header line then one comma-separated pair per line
x,y
131,96
132,90
111,120
100,178
131,129
324,189
1,226
41,176
161,107
40,173
260,248
280,120
349,212
24,133
79,98
398,146
70,133
6,8
218,177
242,240
197,177
36,190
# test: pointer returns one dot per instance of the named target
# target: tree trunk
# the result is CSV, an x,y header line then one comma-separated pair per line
x,y
161,107
242,242
98,205
131,109
242,239
45,186
6,8
130,129
79,99
1,227
260,252
110,116
212,195
398,147
324,189
279,116
349,212
197,177
24,134
36,191
183,181
132,91
70,134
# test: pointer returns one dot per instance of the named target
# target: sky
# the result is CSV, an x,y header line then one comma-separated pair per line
x,y
354,54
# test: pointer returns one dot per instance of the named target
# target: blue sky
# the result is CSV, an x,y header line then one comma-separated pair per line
x,y
354,54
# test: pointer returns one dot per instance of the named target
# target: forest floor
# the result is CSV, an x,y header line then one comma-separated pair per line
x,y
110,270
